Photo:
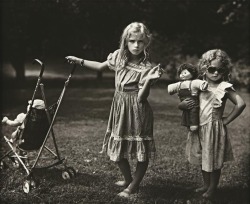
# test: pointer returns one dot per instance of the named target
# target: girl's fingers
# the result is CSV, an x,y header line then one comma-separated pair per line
x,y
71,59
191,103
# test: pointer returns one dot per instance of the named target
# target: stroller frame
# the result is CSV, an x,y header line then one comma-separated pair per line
x,y
68,172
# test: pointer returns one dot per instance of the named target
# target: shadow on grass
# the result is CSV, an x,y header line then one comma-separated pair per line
x,y
54,175
177,192
232,195
171,191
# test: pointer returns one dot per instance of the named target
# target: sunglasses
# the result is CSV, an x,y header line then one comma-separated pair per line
x,y
212,70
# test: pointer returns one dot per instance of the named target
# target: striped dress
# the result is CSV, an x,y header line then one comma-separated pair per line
x,y
130,126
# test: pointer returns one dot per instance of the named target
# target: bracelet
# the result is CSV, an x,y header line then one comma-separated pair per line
x,y
82,63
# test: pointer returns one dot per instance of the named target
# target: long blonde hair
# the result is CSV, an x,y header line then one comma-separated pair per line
x,y
135,27
211,55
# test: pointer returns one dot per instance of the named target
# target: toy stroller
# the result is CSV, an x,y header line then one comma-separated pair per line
x,y
38,125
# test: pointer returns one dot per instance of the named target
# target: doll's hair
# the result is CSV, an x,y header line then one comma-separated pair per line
x,y
124,54
191,68
211,55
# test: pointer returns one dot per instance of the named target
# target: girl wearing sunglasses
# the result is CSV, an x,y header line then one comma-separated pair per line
x,y
212,146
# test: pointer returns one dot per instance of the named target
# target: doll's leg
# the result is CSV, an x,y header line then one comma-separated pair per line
x,y
214,181
14,135
194,119
124,167
194,128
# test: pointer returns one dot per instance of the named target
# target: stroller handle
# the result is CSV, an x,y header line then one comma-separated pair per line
x,y
42,66
73,69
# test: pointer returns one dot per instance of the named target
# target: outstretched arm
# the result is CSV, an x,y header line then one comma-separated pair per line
x,y
97,66
238,108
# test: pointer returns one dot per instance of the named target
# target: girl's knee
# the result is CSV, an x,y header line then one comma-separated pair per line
x,y
121,161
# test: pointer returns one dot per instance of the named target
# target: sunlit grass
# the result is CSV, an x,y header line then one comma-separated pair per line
x,y
80,128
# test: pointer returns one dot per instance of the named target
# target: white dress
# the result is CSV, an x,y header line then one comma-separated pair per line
x,y
211,147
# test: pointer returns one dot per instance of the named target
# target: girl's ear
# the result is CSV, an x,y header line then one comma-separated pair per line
x,y
226,77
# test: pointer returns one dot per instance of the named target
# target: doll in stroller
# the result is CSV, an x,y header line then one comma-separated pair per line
x,y
33,130
19,121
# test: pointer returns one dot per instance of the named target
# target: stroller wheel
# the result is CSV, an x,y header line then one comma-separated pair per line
x,y
33,182
2,165
66,174
26,186
16,163
72,171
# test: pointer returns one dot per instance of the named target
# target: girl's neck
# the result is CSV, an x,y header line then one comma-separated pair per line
x,y
135,59
213,83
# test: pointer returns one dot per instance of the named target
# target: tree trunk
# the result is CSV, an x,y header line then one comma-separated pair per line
x,y
19,65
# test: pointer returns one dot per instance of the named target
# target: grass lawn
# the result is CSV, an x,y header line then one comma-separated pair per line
x,y
80,127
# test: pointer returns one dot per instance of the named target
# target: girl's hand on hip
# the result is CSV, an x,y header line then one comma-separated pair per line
x,y
225,121
73,60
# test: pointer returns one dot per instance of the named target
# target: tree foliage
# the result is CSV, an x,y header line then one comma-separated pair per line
x,y
92,28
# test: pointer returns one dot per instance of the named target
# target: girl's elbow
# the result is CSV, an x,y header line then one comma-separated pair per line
x,y
102,66
243,105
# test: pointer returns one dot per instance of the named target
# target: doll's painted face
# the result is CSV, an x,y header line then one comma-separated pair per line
x,y
185,75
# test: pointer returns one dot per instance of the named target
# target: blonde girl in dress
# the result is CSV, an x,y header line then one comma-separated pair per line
x,y
212,147
129,133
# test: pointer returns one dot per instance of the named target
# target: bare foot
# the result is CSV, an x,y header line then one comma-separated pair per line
x,y
122,183
208,194
201,189
126,193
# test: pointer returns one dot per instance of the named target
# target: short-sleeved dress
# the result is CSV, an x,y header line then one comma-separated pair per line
x,y
211,147
191,91
130,126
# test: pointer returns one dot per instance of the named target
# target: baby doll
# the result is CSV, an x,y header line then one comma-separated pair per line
x,y
188,87
18,121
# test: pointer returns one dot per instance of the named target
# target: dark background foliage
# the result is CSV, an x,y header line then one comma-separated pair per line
x,y
91,28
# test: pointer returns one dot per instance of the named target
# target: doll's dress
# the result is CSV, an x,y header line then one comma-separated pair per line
x,y
212,147
130,126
